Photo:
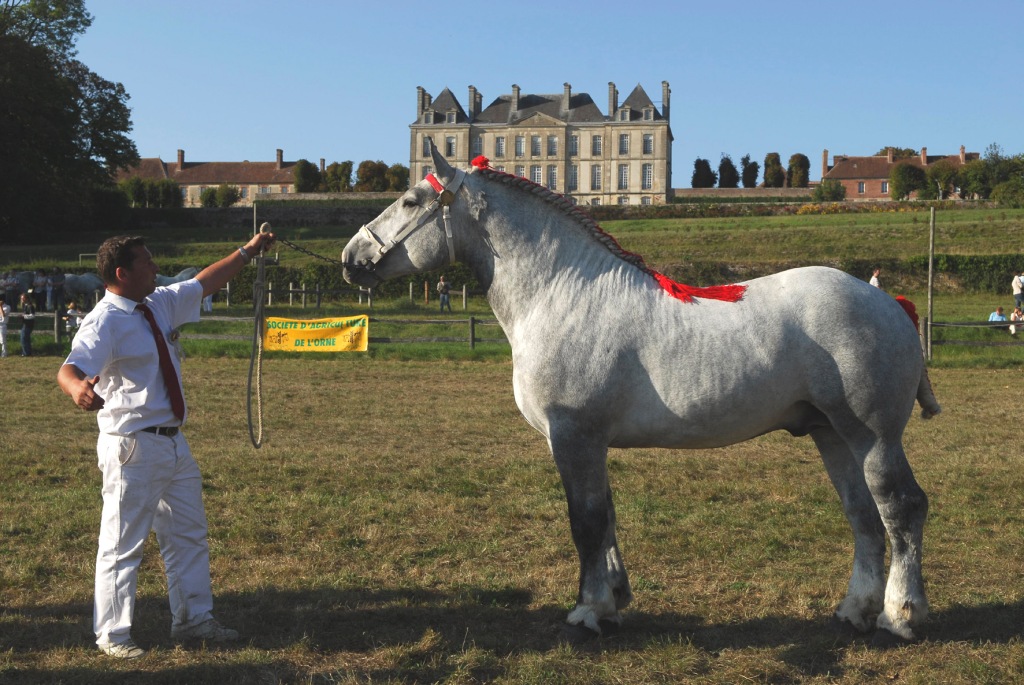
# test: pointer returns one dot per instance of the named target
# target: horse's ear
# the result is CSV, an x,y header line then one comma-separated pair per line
x,y
442,169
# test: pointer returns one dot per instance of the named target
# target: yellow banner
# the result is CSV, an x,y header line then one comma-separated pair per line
x,y
347,334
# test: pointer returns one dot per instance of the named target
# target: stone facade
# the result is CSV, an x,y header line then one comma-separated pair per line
x,y
562,141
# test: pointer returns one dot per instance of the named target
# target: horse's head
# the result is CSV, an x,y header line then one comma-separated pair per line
x,y
412,235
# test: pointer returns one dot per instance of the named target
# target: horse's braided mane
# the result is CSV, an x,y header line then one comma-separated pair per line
x,y
686,293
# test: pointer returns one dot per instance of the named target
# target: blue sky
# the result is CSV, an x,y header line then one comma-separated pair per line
x,y
232,80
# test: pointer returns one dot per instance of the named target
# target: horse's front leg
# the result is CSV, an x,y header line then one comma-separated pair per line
x,y
604,585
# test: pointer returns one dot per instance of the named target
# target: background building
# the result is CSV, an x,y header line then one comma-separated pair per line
x,y
867,178
253,179
561,141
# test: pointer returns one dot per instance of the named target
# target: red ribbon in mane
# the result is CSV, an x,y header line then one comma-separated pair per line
x,y
680,291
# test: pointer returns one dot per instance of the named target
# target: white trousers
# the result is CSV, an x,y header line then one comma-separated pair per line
x,y
150,482
3,339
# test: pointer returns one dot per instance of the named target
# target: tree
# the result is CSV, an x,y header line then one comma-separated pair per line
x,y
227,195
208,197
337,177
943,177
749,171
306,177
1010,193
703,176
774,174
975,180
398,177
135,189
897,152
63,129
829,190
728,177
371,177
798,172
905,179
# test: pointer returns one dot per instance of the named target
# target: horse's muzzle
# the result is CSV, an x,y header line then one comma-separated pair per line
x,y
361,274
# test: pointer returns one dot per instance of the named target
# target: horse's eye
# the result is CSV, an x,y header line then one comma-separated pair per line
x,y
409,203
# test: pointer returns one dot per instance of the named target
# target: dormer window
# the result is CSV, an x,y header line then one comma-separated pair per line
x,y
450,118
624,114
428,117
648,114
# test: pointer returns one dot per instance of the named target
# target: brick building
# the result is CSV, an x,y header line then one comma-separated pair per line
x,y
867,178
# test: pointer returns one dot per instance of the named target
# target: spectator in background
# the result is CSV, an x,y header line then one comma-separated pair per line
x,y
1016,316
998,315
5,316
874,278
39,290
57,280
28,322
444,290
74,317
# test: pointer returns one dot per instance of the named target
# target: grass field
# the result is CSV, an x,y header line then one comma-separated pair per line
x,y
403,524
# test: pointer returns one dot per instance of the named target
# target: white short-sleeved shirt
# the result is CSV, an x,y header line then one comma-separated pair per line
x,y
116,343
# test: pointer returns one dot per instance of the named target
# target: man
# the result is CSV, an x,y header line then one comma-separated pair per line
x,y
1017,286
120,367
997,315
5,314
444,290
874,278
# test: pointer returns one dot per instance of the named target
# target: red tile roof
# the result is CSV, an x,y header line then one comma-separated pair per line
x,y
211,173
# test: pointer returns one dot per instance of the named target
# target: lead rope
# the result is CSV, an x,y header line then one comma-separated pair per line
x,y
256,358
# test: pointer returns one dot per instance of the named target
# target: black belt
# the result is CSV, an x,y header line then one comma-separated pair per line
x,y
169,431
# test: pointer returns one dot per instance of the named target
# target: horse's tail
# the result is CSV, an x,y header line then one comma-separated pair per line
x,y
925,397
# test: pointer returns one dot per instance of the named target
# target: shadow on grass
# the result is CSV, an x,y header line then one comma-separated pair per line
x,y
420,624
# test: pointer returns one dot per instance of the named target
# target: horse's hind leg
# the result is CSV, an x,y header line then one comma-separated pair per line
x,y
604,585
865,593
903,507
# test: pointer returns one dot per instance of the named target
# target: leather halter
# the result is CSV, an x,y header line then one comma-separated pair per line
x,y
445,197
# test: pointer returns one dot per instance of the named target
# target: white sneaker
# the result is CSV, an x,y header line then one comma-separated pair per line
x,y
122,650
210,629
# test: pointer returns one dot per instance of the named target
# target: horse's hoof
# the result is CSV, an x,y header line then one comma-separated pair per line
x,y
844,628
578,634
885,639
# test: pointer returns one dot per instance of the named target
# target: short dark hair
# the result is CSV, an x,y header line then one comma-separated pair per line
x,y
114,253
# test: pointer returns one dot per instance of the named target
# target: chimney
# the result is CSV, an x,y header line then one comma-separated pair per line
x,y
420,99
566,98
472,103
613,100
323,166
280,159
824,162
666,93
963,155
181,159
888,155
924,156
514,114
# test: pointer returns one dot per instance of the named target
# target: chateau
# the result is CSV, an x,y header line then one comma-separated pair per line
x,y
562,141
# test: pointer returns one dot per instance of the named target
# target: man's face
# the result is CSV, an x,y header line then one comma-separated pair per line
x,y
139,280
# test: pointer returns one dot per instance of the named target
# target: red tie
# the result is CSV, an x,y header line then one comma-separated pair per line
x,y
166,365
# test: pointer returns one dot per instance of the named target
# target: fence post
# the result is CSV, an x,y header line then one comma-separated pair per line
x,y
270,293
303,286
426,293
291,293
472,332
369,297
463,297
410,292
57,328
227,297
928,338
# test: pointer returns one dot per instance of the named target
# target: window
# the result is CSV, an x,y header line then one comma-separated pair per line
x,y
574,177
499,146
552,177
623,143
450,118
284,190
478,146
647,177
624,114
426,146
595,146
520,171
535,146
264,190
574,145
500,167
243,192
623,177
623,199
860,187
552,146
595,177
648,114
427,171
449,146
648,143
885,187
535,174
595,201
645,200
427,116
520,146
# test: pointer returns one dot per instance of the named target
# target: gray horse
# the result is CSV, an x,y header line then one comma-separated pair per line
x,y
608,353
